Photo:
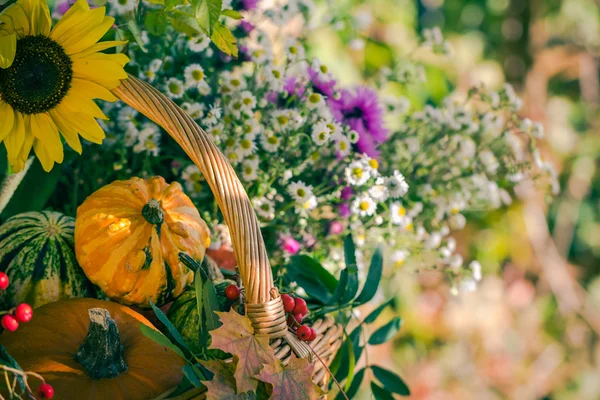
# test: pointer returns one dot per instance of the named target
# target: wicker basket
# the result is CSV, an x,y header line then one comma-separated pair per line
x,y
263,301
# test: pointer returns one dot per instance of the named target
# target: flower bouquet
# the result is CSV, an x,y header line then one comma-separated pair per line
x,y
244,279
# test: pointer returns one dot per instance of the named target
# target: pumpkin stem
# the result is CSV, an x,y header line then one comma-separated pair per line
x,y
101,353
153,213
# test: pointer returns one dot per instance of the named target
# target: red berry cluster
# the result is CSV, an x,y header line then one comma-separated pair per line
x,y
22,313
296,309
232,292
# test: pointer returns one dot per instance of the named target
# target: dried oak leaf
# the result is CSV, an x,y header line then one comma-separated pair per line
x,y
250,352
293,381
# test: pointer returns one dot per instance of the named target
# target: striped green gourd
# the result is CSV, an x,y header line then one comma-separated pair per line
x,y
36,252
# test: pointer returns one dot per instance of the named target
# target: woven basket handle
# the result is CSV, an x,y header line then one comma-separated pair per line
x,y
263,303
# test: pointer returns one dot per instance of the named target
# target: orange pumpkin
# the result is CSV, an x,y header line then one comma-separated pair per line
x,y
94,350
128,236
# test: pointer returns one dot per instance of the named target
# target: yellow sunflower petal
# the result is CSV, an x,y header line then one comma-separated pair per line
x,y
77,101
92,89
86,125
14,142
104,69
67,130
8,49
47,144
16,20
82,29
24,153
39,16
7,116
101,46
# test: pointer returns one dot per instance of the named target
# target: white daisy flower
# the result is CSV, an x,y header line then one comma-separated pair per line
x,y
270,142
397,185
320,133
123,6
315,100
300,191
265,208
198,44
364,206
275,77
294,50
399,257
321,69
194,75
310,204
216,131
250,170
343,146
357,173
399,215
379,193
213,115
353,136
192,178
246,147
248,100
174,88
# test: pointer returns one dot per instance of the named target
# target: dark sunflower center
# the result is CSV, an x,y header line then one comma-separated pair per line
x,y
39,78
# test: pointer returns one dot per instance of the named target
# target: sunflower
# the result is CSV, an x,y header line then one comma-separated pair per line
x,y
49,78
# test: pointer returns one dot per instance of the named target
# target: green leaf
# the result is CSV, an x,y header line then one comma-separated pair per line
x,y
211,304
232,14
224,39
9,361
175,335
207,13
350,252
356,382
375,313
313,269
161,339
373,278
33,192
343,355
312,277
380,393
156,22
391,381
191,374
351,365
184,22
171,4
386,332
136,32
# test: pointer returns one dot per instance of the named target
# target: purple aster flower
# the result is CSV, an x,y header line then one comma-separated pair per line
x,y
293,87
360,110
344,210
347,193
247,27
249,4
321,86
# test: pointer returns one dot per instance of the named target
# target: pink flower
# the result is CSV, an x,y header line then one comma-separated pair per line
x,y
289,245
336,228
344,210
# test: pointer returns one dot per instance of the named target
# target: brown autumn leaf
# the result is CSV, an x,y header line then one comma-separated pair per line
x,y
293,381
250,352
222,385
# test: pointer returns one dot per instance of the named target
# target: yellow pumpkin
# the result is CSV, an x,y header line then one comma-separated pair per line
x,y
128,236
94,350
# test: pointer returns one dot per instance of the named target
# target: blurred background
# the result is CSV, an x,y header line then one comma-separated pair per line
x,y
531,330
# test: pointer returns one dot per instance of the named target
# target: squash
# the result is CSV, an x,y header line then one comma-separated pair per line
x,y
93,349
128,236
36,252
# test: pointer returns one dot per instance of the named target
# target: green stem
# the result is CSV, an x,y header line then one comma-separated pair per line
x,y
101,353
153,212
